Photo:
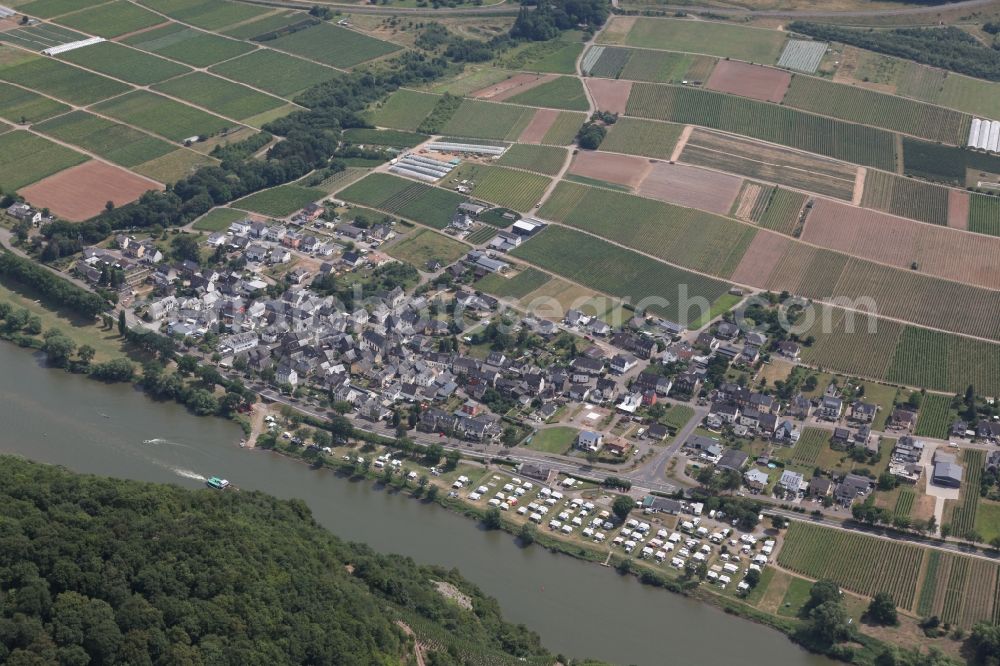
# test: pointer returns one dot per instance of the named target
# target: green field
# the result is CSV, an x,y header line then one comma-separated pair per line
x,y
564,129
207,14
988,520
666,67
984,214
517,286
266,24
162,116
853,143
810,445
219,96
123,63
782,212
22,106
963,516
557,439
935,417
565,92
906,197
174,166
218,219
860,563
190,46
599,265
422,203
51,77
543,159
118,143
487,120
642,137
392,138
50,8
404,110
26,158
279,201
425,245
481,235
690,238
944,164
708,37
904,503
560,58
518,190
333,45
859,105
277,73
945,362
111,20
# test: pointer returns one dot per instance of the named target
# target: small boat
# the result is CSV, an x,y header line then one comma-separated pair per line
x,y
105,416
217,483
243,443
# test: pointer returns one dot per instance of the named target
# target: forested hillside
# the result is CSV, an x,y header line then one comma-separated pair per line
x,y
103,571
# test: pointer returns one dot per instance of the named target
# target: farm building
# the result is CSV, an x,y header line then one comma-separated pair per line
x,y
947,471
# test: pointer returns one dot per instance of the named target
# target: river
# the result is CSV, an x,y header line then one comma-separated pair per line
x,y
579,609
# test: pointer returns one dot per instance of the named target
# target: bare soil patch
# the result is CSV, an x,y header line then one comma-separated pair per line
x,y
888,239
958,209
681,142
693,187
80,192
609,94
539,125
754,81
859,186
620,169
760,259
513,86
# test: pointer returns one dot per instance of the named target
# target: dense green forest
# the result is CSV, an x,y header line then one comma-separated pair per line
x,y
103,571
948,48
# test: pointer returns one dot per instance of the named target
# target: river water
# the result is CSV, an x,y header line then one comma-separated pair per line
x,y
579,609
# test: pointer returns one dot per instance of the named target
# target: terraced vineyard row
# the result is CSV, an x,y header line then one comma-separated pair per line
x,y
809,446
906,197
859,563
934,419
904,503
868,107
782,212
853,143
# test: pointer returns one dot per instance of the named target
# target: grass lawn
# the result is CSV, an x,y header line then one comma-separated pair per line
x,y
517,286
795,597
279,201
988,519
557,439
677,416
425,245
218,219
560,61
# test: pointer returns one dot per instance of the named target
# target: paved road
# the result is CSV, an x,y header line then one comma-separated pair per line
x,y
809,13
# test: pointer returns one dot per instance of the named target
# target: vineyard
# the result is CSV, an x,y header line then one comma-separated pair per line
x,y
642,137
984,214
666,67
945,362
543,159
905,197
684,236
751,202
481,235
935,416
880,110
518,286
709,37
958,589
613,270
860,563
487,120
782,212
809,446
609,63
518,190
963,517
425,204
904,503
858,352
564,128
770,122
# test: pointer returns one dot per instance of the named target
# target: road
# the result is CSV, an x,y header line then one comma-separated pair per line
x,y
809,13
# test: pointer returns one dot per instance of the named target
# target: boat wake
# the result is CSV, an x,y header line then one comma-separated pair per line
x,y
187,474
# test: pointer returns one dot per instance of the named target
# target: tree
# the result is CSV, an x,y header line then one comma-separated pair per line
x,y
829,622
622,506
821,592
58,348
752,578
86,354
122,323
882,610
985,642
527,534
492,519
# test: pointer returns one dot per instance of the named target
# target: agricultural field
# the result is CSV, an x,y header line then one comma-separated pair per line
x,y
517,286
708,37
984,214
944,164
518,190
857,562
23,106
605,61
542,159
374,190
959,590
766,84
781,166
906,197
174,166
481,235
782,211
40,37
422,203
563,129
666,66
251,30
935,417
207,14
944,362
559,58
117,143
49,8
857,350
112,19
487,120
802,55
778,124
333,45
277,73
392,138
162,116
607,268
642,137
218,219
226,98
904,503
52,77
858,105
425,245
963,515
404,110
279,201
683,236
190,46
123,63
26,158
564,92
810,445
